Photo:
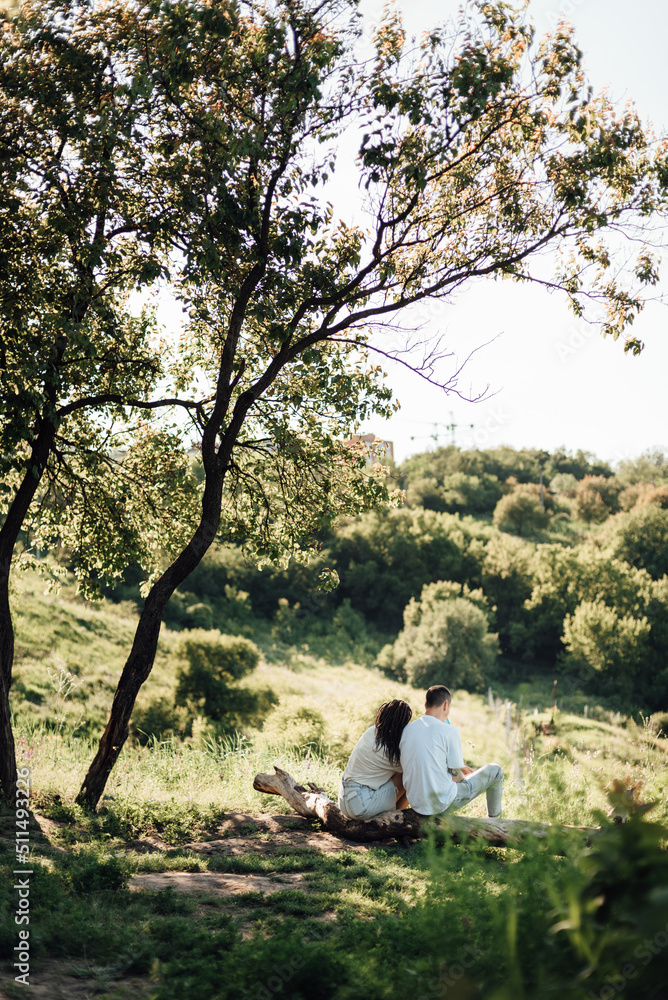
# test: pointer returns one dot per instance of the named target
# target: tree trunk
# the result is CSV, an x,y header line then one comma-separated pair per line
x,y
140,662
313,803
7,748
9,534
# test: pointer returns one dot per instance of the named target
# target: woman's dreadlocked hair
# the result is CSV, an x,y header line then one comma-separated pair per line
x,y
391,720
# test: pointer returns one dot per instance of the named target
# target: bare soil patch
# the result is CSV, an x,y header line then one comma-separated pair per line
x,y
242,833
63,980
216,883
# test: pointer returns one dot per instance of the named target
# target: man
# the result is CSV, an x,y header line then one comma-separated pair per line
x,y
435,776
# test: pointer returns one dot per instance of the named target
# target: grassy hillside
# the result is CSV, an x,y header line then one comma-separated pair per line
x,y
308,919
319,711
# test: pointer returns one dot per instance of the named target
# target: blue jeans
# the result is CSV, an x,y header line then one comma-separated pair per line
x,y
358,801
488,778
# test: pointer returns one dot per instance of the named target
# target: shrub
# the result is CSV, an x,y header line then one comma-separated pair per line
x,y
562,579
614,646
507,581
659,723
295,724
640,494
210,664
160,717
289,627
385,559
564,484
91,870
445,639
456,493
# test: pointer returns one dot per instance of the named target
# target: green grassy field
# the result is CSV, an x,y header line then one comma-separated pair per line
x,y
392,921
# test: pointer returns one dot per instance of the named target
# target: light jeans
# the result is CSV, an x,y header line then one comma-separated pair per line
x,y
488,778
358,801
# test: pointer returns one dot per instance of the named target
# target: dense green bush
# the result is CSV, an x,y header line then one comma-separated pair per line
x,y
564,484
596,497
650,467
445,639
295,724
640,538
216,593
456,493
159,717
614,646
579,465
210,664
521,512
524,464
562,578
507,581
384,560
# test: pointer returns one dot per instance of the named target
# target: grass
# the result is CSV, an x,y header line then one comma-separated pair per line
x,y
386,923
390,923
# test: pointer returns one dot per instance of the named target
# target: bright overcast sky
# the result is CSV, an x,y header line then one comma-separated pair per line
x,y
556,382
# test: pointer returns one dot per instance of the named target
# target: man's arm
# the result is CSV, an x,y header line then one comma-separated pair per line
x,y
460,772
454,753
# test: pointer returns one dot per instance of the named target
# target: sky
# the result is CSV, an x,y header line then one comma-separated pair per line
x,y
553,381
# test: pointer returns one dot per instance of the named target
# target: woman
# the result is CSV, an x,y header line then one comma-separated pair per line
x,y
372,781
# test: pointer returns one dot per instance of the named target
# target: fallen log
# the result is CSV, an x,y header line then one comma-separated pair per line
x,y
313,803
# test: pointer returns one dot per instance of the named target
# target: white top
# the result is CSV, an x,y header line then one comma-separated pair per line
x,y
367,765
428,748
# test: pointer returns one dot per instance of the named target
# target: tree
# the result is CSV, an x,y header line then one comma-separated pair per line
x,y
564,578
613,645
479,151
80,230
640,538
640,494
582,464
507,581
87,219
596,497
385,559
445,639
521,511
279,290
651,467
456,494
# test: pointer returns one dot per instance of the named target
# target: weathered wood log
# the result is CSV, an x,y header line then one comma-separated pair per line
x,y
313,803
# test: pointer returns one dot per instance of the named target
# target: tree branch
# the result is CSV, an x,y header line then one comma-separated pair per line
x,y
137,404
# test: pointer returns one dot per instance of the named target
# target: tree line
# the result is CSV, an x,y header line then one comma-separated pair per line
x,y
592,602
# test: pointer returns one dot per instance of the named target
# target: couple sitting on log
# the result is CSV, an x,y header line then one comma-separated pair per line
x,y
397,762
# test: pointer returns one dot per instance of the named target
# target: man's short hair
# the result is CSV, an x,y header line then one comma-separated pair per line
x,y
437,695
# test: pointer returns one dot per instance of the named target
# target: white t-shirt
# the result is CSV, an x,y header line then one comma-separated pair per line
x,y
428,748
367,765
